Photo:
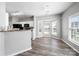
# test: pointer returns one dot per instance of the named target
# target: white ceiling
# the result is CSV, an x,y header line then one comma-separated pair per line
x,y
37,8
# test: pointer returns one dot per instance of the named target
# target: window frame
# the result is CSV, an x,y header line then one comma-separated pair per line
x,y
69,29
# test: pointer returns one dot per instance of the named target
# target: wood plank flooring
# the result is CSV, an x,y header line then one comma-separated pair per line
x,y
49,47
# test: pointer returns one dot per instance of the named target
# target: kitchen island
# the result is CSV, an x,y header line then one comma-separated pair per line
x,y
16,42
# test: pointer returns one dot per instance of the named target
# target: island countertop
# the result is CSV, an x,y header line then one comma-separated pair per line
x,y
30,28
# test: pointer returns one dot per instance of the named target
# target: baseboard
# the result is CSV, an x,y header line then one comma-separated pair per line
x,y
19,52
71,46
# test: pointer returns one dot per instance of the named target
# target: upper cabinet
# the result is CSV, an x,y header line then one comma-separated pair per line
x,y
20,18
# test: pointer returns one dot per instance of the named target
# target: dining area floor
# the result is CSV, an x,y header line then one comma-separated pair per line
x,y
47,46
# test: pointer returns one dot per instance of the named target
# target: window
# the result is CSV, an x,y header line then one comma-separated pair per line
x,y
47,28
54,28
74,29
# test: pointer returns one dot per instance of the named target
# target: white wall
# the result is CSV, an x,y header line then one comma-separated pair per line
x,y
65,18
2,14
2,23
35,27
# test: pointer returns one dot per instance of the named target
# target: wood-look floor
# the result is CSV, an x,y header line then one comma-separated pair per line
x,y
49,47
